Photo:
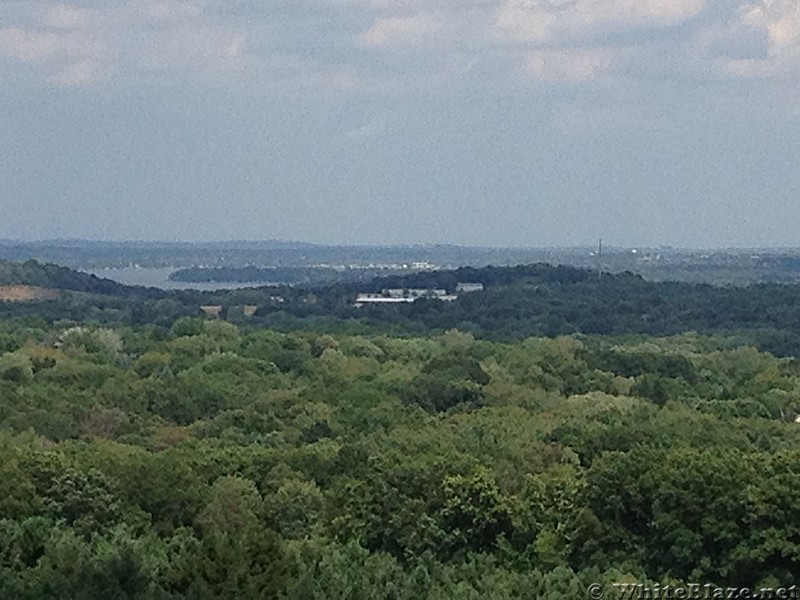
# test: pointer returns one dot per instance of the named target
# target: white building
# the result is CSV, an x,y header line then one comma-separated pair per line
x,y
400,296
363,299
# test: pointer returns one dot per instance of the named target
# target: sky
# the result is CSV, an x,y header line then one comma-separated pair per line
x,y
474,122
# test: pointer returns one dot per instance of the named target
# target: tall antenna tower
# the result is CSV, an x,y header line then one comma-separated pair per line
x,y
600,259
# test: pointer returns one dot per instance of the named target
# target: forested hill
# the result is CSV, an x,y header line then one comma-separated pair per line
x,y
490,277
45,275
542,300
518,302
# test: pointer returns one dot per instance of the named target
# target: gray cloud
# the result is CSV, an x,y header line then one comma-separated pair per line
x,y
472,121
368,44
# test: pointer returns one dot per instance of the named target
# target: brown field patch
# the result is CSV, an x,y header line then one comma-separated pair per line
x,y
26,293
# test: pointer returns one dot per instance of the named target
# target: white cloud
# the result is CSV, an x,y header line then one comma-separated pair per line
x,y
528,20
649,12
401,30
169,11
781,19
189,47
573,65
762,40
473,41
30,46
64,16
72,46
79,74
61,57
547,20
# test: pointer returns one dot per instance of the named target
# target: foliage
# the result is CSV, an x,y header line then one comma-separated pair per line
x,y
214,461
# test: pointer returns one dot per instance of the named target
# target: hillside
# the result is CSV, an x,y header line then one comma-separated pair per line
x,y
536,300
542,300
55,277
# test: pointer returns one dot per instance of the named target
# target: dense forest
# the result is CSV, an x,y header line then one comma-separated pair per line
x,y
208,460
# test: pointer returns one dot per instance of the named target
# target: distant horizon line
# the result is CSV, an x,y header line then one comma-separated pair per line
x,y
290,242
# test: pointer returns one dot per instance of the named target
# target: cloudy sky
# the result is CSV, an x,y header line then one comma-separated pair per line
x,y
481,122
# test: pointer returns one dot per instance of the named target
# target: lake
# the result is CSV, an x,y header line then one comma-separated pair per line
x,y
159,278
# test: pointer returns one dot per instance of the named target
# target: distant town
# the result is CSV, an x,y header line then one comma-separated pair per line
x,y
206,266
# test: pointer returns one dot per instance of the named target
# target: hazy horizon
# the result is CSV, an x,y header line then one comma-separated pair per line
x,y
289,242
